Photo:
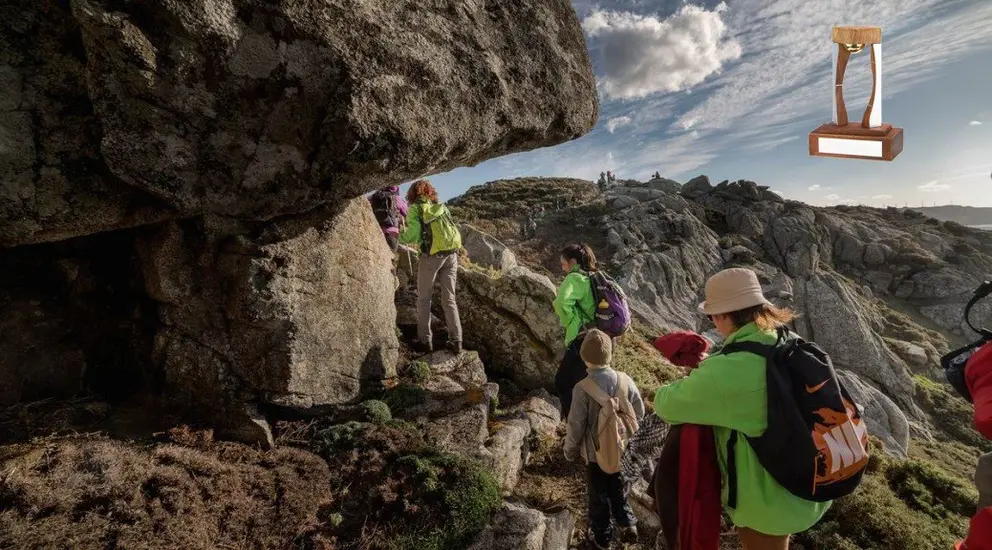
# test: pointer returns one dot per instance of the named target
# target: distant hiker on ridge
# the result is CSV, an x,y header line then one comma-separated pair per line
x,y
431,229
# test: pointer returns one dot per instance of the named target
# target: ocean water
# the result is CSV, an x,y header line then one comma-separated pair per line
x,y
985,227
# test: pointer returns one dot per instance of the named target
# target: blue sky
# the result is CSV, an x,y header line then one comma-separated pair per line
x,y
732,89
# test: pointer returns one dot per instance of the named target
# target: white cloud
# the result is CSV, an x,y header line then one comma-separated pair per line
x,y
832,197
642,55
814,187
975,123
933,187
616,122
881,197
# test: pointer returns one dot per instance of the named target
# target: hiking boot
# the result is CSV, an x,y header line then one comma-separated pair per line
x,y
455,347
421,347
593,543
628,535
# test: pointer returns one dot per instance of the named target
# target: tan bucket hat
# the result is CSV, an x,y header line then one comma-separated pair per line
x,y
732,290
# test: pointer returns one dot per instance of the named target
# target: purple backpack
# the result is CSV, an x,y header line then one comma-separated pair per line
x,y
612,312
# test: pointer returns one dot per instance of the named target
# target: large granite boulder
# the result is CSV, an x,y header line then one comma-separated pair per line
x,y
298,314
510,320
127,113
521,528
485,250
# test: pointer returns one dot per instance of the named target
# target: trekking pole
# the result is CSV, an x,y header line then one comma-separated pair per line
x,y
983,290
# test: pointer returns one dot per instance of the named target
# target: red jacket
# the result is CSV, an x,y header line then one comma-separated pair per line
x,y
978,376
699,506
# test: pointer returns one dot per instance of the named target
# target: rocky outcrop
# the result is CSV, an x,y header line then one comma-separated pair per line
x,y
834,317
193,108
257,316
509,319
485,250
519,527
663,254
885,420
665,184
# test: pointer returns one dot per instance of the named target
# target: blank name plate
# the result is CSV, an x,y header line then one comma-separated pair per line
x,y
840,142
850,147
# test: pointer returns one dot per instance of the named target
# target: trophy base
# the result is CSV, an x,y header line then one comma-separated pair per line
x,y
855,142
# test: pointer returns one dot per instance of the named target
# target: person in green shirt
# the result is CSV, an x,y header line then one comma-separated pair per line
x,y
729,393
575,306
430,229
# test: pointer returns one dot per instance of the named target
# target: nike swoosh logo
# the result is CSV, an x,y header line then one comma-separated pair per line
x,y
814,389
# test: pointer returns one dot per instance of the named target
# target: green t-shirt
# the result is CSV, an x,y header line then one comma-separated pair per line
x,y
729,393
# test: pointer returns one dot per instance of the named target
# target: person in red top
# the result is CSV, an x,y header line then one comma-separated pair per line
x,y
687,477
978,376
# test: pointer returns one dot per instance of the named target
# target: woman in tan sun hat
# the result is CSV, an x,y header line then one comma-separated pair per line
x,y
729,393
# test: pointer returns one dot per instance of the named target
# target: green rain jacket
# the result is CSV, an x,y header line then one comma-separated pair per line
x,y
444,234
575,303
729,392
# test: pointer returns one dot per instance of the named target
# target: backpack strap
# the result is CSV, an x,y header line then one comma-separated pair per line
x,y
732,470
748,347
592,388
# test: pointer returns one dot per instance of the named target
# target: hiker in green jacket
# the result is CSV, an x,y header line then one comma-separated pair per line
x,y
429,228
729,393
576,308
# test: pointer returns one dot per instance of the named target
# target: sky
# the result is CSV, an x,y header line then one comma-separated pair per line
x,y
731,89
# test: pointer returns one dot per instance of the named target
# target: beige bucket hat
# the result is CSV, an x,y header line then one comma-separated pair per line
x,y
732,290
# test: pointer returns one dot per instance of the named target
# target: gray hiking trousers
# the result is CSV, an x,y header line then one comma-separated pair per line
x,y
442,268
983,480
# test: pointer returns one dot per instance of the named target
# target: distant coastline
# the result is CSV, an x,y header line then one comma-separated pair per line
x,y
972,216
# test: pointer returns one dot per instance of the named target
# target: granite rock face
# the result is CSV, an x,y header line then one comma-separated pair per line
x,y
257,316
123,113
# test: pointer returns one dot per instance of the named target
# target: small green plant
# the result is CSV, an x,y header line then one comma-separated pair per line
x,y
404,396
340,437
460,494
375,411
417,372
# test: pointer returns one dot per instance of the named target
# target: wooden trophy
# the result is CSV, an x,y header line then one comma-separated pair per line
x,y
870,138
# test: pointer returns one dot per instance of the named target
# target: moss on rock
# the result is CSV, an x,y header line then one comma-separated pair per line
x,y
949,412
389,482
375,411
417,372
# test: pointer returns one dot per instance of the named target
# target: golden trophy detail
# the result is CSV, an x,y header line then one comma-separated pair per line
x,y
870,138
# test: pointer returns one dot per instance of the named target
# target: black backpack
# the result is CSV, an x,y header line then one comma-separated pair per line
x,y
385,206
816,442
954,363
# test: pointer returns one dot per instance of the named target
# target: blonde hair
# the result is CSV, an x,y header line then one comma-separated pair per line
x,y
765,316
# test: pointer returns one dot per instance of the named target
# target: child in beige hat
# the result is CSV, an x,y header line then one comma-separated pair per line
x,y
607,501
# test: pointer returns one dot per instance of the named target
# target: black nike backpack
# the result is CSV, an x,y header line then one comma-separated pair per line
x,y
816,441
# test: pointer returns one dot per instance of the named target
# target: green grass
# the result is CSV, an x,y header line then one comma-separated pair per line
x,y
951,414
636,356
910,504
